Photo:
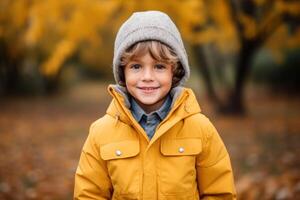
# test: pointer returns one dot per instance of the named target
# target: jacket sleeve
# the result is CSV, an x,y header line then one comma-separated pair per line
x,y
214,172
91,179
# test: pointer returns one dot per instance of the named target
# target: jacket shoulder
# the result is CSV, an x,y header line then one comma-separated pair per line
x,y
200,125
104,122
108,129
102,128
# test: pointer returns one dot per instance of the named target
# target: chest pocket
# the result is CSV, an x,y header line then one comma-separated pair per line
x,y
177,174
123,156
181,147
119,150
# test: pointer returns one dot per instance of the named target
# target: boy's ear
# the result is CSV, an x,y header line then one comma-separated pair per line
x,y
173,68
122,81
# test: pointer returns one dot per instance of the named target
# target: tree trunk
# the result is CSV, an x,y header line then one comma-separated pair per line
x,y
235,102
9,71
12,80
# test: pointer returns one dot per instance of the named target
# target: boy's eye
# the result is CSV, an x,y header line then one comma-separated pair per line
x,y
135,66
160,66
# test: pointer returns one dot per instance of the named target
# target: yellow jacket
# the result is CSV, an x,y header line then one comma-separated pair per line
x,y
185,160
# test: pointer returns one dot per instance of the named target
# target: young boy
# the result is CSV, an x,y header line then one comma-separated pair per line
x,y
153,142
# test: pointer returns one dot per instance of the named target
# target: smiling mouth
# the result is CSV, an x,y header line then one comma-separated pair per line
x,y
148,88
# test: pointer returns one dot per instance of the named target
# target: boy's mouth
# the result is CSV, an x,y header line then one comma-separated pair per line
x,y
148,89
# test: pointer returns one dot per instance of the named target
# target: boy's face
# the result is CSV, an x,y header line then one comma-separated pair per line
x,y
148,81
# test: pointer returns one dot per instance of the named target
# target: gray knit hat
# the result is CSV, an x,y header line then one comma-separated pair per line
x,y
149,25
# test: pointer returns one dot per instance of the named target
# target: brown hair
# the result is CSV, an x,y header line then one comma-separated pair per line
x,y
159,52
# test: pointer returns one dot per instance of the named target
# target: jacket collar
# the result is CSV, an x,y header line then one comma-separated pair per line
x,y
184,104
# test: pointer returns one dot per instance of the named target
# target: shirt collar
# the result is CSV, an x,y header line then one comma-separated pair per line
x,y
162,112
165,108
137,111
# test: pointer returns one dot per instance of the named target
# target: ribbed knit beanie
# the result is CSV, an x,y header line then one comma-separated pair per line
x,y
149,25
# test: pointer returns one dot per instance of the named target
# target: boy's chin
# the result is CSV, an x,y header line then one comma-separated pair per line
x,y
148,103
147,99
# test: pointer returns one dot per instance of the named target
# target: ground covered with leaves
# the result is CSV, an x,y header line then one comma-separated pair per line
x,y
41,139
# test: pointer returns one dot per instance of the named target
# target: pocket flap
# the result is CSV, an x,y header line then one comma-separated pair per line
x,y
118,150
181,147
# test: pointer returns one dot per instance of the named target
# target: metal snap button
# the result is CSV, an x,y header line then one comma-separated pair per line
x,y
118,153
181,150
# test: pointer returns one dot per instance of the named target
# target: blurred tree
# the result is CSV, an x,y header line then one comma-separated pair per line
x,y
45,34
13,21
69,28
243,27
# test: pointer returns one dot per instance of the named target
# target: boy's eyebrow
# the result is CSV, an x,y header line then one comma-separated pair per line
x,y
138,60
154,62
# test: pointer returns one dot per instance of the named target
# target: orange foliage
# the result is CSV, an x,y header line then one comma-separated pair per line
x,y
71,22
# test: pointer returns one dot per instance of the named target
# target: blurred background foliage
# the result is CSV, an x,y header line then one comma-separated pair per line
x,y
55,64
45,42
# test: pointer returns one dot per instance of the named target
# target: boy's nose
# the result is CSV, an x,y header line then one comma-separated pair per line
x,y
148,74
